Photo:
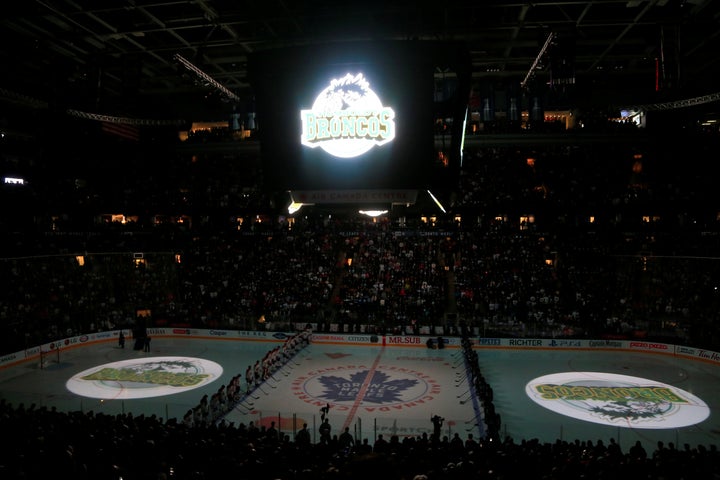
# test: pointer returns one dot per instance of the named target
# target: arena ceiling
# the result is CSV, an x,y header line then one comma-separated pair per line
x,y
126,57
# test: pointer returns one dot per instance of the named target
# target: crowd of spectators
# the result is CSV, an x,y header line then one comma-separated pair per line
x,y
283,276
578,240
499,280
391,278
552,241
89,445
542,285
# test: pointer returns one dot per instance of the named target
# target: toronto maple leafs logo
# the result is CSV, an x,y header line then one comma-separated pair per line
x,y
372,389
377,389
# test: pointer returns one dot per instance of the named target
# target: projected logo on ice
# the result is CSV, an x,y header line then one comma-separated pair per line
x,y
384,388
144,377
347,119
617,400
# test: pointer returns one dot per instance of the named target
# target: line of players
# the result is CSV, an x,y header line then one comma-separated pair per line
x,y
209,410
488,416
274,359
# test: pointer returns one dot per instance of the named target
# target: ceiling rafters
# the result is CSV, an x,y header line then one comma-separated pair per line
x,y
622,34
503,37
515,32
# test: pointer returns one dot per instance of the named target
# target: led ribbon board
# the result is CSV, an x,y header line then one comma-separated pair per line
x,y
347,119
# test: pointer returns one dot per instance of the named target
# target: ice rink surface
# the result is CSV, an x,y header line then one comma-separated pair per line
x,y
380,390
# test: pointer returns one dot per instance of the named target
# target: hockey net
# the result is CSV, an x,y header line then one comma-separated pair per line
x,y
49,357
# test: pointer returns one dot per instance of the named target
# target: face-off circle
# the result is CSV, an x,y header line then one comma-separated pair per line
x,y
617,400
144,377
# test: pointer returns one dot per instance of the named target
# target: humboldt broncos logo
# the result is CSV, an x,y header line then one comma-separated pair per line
x,y
347,119
144,377
617,400
383,388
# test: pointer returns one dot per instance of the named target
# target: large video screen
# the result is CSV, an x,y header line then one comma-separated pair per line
x,y
355,115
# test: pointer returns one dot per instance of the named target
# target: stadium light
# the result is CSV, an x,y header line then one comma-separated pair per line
x,y
296,206
373,213
437,202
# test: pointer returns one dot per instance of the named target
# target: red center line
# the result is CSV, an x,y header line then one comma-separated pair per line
x,y
363,388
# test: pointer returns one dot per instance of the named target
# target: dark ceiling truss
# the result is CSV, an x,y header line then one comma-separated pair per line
x,y
122,47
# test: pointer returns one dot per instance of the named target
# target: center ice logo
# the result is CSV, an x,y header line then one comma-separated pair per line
x,y
377,389
617,400
386,387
